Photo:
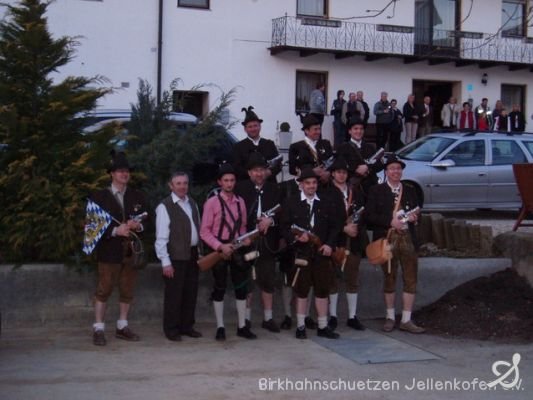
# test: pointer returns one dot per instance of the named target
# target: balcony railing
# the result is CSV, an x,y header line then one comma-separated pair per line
x,y
344,36
354,37
497,49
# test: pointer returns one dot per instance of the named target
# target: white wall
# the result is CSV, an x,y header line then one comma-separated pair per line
x,y
228,46
118,41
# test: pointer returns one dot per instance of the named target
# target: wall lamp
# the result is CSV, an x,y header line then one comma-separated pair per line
x,y
484,79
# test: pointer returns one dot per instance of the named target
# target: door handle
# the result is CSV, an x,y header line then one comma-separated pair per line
x,y
482,174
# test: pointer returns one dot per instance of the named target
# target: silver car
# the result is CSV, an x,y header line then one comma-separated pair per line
x,y
466,170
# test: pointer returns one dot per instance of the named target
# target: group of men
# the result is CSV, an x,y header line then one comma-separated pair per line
x,y
313,226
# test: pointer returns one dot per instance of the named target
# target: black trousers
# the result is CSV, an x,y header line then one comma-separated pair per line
x,y
382,135
180,296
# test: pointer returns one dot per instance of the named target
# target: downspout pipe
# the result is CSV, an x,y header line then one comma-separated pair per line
x,y
159,51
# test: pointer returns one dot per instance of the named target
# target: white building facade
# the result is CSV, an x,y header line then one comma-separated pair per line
x,y
275,51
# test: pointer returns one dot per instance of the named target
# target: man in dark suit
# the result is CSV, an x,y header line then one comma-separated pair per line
x,y
261,195
113,251
425,124
310,151
253,143
176,246
287,189
385,206
347,200
316,215
356,151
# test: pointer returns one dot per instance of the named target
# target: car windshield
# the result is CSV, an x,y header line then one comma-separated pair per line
x,y
425,149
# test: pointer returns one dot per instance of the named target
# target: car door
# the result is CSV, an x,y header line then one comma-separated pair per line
x,y
502,185
465,182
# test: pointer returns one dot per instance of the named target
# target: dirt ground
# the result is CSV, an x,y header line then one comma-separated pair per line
x,y
498,307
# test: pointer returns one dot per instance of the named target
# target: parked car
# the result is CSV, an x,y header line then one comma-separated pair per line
x,y
466,170
99,118
203,170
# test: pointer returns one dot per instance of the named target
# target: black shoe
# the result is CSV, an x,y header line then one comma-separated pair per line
x,y
221,334
270,325
310,323
192,333
246,333
327,333
126,334
300,333
332,323
286,323
355,324
99,338
174,338
248,323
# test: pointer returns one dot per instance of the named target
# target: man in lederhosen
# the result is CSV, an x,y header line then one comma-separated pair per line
x,y
176,246
224,219
310,213
348,200
356,151
254,143
287,268
386,204
113,252
310,151
261,195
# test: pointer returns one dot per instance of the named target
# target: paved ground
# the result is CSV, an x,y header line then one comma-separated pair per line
x,y
58,364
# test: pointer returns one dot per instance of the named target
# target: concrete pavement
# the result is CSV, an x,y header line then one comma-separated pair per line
x,y
61,363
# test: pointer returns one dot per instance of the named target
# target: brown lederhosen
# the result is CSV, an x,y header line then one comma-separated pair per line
x,y
122,275
403,252
351,275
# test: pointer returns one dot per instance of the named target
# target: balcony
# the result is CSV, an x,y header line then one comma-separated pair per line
x,y
311,36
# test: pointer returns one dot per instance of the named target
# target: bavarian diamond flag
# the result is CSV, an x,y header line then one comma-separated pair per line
x,y
96,222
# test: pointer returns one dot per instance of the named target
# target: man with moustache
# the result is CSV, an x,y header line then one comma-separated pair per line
x,y
176,246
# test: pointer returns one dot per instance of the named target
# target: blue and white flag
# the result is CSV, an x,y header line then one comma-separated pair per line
x,y
96,222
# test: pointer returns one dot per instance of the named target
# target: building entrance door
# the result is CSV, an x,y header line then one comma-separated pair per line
x,y
439,91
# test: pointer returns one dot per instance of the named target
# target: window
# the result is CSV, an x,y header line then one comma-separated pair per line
x,y
529,147
426,149
506,152
513,94
305,83
513,15
194,3
468,153
434,19
190,102
314,8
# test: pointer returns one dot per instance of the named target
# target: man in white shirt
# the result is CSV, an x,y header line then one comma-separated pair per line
x,y
176,246
449,114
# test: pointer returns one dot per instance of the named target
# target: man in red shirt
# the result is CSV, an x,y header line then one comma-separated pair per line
x,y
224,219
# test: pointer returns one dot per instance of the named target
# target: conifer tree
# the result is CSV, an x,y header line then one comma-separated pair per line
x,y
47,166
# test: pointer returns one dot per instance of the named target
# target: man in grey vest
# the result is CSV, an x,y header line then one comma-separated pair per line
x,y
176,245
